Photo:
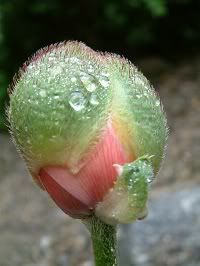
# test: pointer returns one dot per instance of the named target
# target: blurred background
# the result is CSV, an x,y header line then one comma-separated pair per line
x,y
162,37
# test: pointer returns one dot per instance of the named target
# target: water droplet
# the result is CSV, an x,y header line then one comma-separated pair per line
x,y
74,60
91,87
73,79
94,99
77,101
135,169
104,81
138,96
31,66
105,74
43,93
157,103
138,79
85,79
130,187
150,179
88,82
51,58
56,70
56,97
49,79
90,70
84,117
67,59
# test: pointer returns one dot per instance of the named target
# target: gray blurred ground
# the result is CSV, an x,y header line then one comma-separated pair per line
x,y
34,232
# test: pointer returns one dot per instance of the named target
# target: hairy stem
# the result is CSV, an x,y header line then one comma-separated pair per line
x,y
104,242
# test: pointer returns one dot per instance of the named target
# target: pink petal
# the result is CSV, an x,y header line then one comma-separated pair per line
x,y
78,194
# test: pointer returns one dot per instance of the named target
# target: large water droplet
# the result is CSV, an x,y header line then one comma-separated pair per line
x,y
88,82
94,99
77,101
104,81
91,87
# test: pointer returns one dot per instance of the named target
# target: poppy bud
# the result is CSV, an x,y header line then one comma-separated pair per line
x,y
76,117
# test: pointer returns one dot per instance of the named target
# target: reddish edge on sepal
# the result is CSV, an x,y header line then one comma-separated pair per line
x,y
68,46
77,195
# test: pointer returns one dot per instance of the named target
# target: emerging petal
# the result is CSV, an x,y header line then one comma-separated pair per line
x,y
79,193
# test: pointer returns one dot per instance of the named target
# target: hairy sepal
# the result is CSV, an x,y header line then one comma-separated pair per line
x,y
127,200
59,106
137,112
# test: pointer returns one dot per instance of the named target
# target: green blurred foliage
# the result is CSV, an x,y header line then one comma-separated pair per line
x,y
129,27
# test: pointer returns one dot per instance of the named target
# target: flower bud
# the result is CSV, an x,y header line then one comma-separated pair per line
x,y
74,115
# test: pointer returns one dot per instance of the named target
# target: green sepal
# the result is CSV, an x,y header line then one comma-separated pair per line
x,y
137,112
127,201
59,106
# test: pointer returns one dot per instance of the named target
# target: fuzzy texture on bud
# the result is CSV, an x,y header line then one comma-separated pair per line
x,y
74,115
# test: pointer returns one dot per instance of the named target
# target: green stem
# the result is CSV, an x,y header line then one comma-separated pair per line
x,y
104,242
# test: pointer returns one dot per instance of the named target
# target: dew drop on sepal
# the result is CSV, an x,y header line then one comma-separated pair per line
x,y
104,81
73,79
94,99
89,82
77,101
42,93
